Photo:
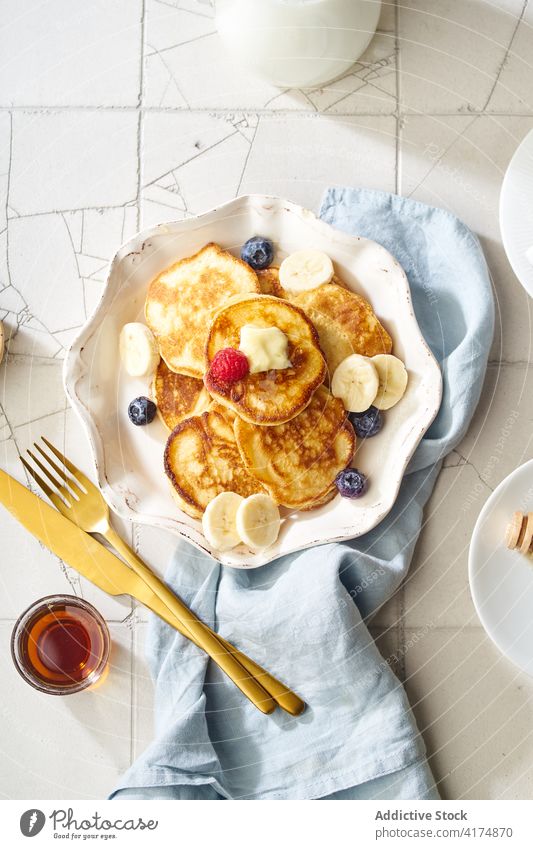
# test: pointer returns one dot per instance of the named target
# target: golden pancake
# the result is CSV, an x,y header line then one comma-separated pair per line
x,y
274,396
270,285
297,462
229,415
182,299
202,460
178,396
346,323
320,502
269,282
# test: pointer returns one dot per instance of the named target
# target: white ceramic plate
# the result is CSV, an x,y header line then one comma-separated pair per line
x,y
501,581
129,460
516,212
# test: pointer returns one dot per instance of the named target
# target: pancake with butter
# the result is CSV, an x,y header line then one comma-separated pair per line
x,y
178,396
346,323
182,299
277,395
297,462
202,460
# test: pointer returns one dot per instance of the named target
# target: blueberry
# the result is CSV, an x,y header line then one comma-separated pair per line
x,y
367,424
141,411
258,252
351,483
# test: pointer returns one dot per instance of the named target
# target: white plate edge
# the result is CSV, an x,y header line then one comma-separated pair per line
x,y
72,359
485,510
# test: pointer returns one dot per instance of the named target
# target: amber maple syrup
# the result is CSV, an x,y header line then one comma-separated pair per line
x,y
61,645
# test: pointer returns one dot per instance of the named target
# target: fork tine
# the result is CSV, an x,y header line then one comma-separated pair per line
x,y
53,496
80,477
62,489
67,479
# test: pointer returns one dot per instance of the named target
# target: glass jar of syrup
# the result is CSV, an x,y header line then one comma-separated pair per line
x,y
60,645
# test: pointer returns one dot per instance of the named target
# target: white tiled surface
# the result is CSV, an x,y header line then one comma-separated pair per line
x,y
127,113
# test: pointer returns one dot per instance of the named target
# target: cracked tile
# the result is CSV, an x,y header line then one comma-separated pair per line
x,y
93,291
473,709
80,745
215,161
450,56
370,87
33,570
171,140
72,160
47,274
31,390
436,589
70,250
458,163
26,336
5,158
179,46
104,230
205,170
170,25
143,695
500,437
73,54
514,89
322,151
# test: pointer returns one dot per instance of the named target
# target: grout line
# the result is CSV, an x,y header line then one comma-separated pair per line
x,y
141,69
10,620
140,124
460,628
258,110
133,648
399,120
506,54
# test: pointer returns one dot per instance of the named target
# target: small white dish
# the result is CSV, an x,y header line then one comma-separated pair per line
x,y
129,459
501,581
516,212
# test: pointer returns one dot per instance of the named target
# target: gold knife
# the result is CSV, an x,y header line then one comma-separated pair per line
x,y
92,560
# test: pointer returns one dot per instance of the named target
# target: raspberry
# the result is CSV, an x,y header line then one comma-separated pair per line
x,y
229,365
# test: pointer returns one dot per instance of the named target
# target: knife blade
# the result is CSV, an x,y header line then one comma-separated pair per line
x,y
104,569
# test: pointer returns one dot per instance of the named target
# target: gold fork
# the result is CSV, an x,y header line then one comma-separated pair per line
x,y
82,502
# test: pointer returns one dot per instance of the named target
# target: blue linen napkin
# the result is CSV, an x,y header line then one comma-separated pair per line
x,y
302,617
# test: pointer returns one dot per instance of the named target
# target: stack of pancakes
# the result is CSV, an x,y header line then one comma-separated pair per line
x,y
279,431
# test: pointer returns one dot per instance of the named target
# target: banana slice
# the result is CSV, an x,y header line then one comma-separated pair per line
x,y
139,351
392,380
219,521
303,270
258,521
355,381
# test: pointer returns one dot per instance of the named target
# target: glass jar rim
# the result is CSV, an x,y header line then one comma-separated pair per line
x,y
51,601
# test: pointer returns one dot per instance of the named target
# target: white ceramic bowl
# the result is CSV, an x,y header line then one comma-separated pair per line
x,y
129,460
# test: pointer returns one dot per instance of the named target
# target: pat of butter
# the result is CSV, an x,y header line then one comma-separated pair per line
x,y
266,348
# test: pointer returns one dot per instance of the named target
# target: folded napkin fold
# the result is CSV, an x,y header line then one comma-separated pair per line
x,y
302,616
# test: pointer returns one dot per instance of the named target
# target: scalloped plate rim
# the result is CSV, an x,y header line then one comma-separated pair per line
x,y
72,373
